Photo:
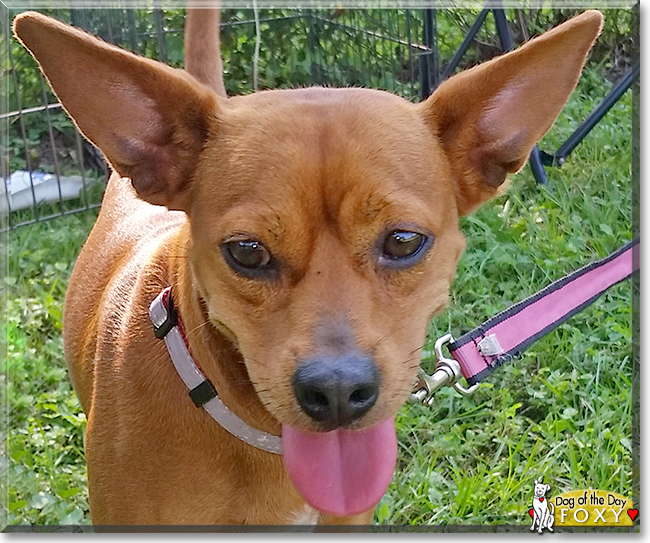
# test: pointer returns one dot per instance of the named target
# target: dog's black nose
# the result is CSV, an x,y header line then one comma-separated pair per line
x,y
336,390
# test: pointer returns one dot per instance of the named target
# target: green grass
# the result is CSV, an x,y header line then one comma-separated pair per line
x,y
46,482
562,412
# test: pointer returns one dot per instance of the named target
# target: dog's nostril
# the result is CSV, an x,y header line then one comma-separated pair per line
x,y
362,395
315,398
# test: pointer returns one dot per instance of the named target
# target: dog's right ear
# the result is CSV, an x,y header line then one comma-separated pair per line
x,y
150,120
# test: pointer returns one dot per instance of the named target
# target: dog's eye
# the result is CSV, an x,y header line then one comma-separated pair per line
x,y
400,245
248,254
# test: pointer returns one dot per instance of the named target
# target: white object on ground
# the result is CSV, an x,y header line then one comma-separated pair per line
x,y
16,190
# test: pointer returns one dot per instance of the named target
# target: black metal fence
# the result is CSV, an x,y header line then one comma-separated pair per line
x,y
49,170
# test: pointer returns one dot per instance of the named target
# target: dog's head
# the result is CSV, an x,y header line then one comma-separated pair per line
x,y
324,221
540,489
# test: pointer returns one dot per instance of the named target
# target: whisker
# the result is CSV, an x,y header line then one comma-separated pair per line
x,y
392,332
196,329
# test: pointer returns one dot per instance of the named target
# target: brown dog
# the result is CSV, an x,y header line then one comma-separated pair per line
x,y
310,237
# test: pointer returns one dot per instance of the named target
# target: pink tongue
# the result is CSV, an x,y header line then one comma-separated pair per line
x,y
343,472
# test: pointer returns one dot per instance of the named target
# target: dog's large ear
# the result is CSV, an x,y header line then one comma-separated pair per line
x,y
489,118
150,120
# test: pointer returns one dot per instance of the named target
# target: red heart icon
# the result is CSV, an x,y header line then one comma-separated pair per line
x,y
541,499
633,513
530,512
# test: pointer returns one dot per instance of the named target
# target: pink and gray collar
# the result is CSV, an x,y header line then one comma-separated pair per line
x,y
203,394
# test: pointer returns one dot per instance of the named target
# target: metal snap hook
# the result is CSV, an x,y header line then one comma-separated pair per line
x,y
447,373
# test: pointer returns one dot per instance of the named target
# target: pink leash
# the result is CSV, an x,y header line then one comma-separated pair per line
x,y
505,336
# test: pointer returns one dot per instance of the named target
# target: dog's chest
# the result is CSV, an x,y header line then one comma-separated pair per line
x,y
540,504
306,516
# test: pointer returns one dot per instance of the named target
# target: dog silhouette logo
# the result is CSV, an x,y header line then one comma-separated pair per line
x,y
542,511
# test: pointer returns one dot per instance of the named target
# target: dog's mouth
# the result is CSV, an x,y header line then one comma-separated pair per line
x,y
341,472
342,469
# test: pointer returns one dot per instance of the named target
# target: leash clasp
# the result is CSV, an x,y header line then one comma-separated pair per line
x,y
447,374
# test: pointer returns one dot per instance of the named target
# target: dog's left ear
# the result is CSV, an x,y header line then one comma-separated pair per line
x,y
489,118
548,488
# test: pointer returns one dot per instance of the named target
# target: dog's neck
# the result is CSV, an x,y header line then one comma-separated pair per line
x,y
216,354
